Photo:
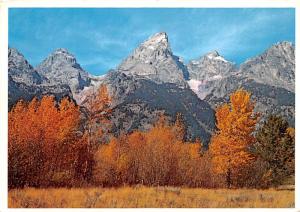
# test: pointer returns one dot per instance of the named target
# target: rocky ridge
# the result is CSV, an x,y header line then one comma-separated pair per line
x,y
270,77
153,80
24,82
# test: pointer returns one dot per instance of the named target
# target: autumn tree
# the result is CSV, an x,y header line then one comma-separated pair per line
x,y
276,146
159,156
42,142
97,124
230,144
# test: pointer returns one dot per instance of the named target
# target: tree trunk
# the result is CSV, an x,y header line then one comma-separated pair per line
x,y
228,178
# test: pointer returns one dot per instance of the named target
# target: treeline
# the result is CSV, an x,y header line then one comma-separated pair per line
x,y
53,144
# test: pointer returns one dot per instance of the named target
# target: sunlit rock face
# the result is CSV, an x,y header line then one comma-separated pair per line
x,y
24,82
206,71
275,67
61,67
270,77
154,60
20,70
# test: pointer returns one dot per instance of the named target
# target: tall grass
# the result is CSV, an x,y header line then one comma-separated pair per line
x,y
149,197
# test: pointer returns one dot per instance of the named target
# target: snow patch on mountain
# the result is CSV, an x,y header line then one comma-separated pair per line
x,y
201,87
194,84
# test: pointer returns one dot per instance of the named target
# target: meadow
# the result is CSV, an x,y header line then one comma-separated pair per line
x,y
149,197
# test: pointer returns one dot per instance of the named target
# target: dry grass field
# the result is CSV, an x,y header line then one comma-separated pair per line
x,y
149,197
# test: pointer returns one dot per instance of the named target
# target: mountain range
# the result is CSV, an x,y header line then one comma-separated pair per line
x,y
152,80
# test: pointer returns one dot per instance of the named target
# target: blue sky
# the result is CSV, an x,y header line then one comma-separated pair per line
x,y
101,38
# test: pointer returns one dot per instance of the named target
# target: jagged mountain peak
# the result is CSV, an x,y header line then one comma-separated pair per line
x,y
63,52
210,57
212,54
156,46
157,40
13,51
279,49
282,49
210,66
275,66
15,58
283,44
160,36
59,57
61,67
269,77
20,70
154,59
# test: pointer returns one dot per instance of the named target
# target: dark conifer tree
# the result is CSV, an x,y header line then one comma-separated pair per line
x,y
276,146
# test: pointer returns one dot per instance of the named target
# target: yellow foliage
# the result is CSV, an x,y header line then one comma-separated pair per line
x,y
291,132
230,145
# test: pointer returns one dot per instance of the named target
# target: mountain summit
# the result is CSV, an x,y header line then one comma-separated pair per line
x,y
210,66
269,77
20,70
276,66
24,82
157,41
154,60
59,58
61,67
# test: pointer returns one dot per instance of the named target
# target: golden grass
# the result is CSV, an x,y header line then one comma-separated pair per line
x,y
149,197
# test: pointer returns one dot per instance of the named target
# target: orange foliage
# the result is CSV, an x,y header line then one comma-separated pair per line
x,y
157,157
97,125
42,142
46,147
230,145
98,112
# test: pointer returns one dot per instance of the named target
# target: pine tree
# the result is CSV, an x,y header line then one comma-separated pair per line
x,y
276,146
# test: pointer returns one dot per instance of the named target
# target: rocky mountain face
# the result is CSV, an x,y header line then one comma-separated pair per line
x,y
207,70
275,67
209,67
24,82
154,59
61,67
20,70
270,77
140,100
152,80
147,83
269,99
19,90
